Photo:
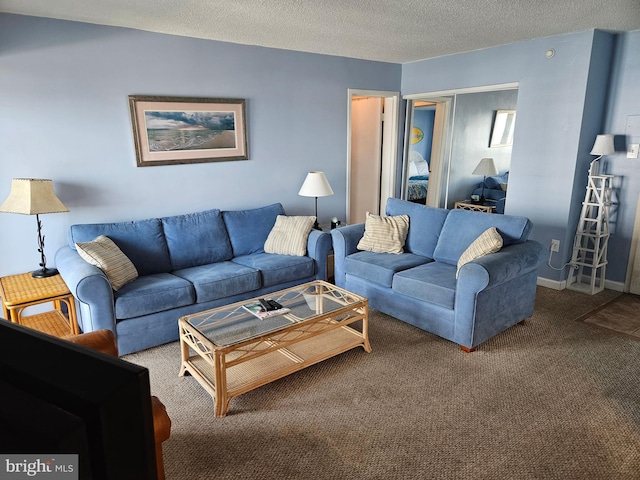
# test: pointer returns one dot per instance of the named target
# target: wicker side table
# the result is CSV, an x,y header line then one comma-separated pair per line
x,y
474,207
21,291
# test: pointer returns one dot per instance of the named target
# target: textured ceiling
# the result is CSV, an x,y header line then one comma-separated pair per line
x,y
396,31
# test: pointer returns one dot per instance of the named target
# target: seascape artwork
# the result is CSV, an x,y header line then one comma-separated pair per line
x,y
169,131
183,130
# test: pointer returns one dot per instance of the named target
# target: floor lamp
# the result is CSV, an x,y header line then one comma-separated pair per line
x,y
602,146
33,196
316,185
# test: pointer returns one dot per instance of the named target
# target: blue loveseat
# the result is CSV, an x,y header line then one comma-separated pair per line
x,y
420,286
186,264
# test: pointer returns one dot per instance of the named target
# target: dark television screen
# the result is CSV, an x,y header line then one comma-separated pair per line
x,y
59,397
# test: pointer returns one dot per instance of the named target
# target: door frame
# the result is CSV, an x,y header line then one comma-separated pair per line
x,y
389,151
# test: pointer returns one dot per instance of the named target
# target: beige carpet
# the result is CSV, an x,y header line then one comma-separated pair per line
x,y
551,399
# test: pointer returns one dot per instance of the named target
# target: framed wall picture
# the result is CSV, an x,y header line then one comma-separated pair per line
x,y
179,130
503,125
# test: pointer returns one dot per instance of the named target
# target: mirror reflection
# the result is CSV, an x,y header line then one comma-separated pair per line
x,y
447,138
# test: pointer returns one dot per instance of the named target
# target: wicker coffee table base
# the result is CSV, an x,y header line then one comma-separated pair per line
x,y
226,372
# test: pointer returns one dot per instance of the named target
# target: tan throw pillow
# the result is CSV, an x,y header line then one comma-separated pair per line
x,y
489,241
384,234
104,254
289,235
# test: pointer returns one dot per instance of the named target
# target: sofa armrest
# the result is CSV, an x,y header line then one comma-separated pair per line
x,y
91,289
497,268
494,289
318,247
345,242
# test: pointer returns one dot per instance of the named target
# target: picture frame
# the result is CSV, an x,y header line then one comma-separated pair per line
x,y
503,126
183,130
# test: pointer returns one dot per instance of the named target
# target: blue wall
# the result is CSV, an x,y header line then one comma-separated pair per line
x,y
423,118
552,139
64,115
622,120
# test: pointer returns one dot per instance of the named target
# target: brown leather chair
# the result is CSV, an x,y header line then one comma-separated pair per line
x,y
104,341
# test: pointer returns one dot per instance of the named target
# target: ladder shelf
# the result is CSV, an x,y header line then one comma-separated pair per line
x,y
589,259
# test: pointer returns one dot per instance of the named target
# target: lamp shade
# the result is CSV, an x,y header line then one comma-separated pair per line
x,y
32,196
315,185
486,166
603,145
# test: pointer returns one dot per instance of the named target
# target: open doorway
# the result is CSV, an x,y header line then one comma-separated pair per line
x,y
372,145
427,150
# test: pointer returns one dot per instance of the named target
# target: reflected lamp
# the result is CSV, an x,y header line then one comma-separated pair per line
x,y
485,167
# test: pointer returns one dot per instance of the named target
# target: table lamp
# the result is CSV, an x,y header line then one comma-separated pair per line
x,y
485,167
315,185
33,196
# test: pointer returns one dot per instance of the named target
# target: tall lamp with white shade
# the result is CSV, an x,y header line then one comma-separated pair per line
x,y
34,196
316,185
485,167
602,146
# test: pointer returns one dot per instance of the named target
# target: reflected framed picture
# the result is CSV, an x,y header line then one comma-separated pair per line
x,y
503,125
180,130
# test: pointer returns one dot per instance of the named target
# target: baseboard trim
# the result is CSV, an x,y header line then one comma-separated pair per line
x,y
562,284
554,284
615,286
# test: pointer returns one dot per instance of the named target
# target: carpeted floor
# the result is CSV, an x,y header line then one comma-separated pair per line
x,y
554,398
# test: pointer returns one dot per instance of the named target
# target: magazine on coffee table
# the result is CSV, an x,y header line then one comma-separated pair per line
x,y
256,308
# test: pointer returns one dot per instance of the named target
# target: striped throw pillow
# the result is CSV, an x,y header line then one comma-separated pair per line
x,y
384,234
289,235
489,241
104,254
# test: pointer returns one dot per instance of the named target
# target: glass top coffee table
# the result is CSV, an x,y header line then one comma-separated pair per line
x,y
230,351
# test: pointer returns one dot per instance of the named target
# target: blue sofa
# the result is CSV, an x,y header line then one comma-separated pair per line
x,y
186,264
420,286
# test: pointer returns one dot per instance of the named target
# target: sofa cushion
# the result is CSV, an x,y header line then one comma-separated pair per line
x,y
384,234
488,242
142,241
462,227
380,267
434,282
196,239
104,254
151,294
289,235
220,280
249,229
496,181
276,269
425,224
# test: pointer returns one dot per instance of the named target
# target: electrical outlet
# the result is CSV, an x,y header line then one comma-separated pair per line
x,y
632,150
555,245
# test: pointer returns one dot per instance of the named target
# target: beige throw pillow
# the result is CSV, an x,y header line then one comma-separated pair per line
x,y
104,254
289,235
489,241
384,234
